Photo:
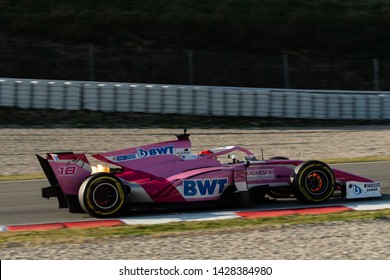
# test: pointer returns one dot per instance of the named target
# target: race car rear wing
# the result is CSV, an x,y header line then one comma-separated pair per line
x,y
54,189
65,173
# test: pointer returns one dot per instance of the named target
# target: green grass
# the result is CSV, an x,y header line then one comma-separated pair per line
x,y
20,177
99,233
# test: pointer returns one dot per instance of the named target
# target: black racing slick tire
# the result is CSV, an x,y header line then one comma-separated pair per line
x,y
312,182
101,195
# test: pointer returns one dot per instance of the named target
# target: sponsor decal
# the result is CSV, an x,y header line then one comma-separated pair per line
x,y
125,157
367,187
67,170
372,187
205,187
357,190
167,150
240,175
261,174
144,153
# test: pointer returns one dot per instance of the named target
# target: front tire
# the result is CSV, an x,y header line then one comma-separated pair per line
x,y
101,195
312,182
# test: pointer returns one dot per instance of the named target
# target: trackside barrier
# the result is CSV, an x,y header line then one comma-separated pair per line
x,y
194,100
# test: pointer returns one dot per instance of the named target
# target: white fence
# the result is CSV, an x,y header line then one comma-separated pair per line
x,y
194,100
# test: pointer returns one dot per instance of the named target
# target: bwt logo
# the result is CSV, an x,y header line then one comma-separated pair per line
x,y
204,187
357,190
167,150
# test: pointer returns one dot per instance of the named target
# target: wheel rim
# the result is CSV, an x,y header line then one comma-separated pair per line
x,y
316,182
105,196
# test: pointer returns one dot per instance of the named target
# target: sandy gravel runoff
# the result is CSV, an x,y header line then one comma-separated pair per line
x,y
19,145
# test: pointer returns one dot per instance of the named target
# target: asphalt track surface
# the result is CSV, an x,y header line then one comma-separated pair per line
x,y
21,201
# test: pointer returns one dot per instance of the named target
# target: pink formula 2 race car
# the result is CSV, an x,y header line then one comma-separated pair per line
x,y
168,174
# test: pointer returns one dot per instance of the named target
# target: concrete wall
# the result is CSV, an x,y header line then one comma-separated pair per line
x,y
194,100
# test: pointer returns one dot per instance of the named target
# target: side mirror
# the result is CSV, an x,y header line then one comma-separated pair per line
x,y
250,158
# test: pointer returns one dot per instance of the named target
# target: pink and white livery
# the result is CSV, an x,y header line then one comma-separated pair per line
x,y
168,174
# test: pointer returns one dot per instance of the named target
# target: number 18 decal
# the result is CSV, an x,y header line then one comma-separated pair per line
x,y
67,170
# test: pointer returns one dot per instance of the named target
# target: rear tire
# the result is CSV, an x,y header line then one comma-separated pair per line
x,y
101,195
312,182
